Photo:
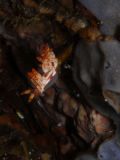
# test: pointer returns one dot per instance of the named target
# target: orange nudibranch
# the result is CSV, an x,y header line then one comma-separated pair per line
x,y
48,62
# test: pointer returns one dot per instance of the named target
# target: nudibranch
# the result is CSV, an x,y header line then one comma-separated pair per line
x,y
48,62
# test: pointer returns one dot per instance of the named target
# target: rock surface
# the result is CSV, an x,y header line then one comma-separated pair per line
x,y
109,150
107,12
111,73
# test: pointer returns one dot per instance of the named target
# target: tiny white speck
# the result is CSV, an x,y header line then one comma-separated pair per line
x,y
30,153
106,100
59,124
67,66
78,95
20,115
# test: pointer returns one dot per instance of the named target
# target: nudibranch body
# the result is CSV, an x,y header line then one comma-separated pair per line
x,y
48,63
